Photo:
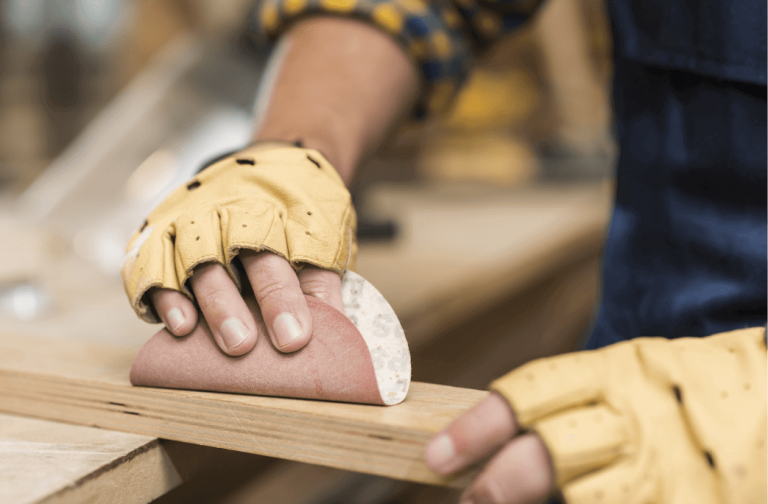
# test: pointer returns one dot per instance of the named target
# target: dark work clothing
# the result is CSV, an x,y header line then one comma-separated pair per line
x,y
725,39
686,251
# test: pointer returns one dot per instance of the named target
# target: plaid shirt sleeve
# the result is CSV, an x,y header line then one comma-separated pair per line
x,y
441,36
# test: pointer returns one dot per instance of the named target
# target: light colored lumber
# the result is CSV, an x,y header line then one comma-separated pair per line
x,y
50,462
88,384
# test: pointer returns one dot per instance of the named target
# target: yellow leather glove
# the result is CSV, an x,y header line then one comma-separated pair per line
x,y
651,420
283,199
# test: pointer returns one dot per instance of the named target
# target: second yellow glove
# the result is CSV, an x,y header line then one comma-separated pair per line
x,y
286,200
652,420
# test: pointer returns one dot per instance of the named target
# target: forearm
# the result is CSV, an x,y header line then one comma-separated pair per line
x,y
339,86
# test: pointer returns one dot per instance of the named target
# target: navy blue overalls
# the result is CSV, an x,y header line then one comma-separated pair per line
x,y
686,250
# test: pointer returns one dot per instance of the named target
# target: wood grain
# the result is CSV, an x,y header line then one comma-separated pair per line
x,y
87,384
50,462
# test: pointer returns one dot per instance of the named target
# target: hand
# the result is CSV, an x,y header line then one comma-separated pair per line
x,y
521,471
273,209
278,290
644,420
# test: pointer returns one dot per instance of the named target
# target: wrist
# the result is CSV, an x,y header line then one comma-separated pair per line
x,y
338,85
343,160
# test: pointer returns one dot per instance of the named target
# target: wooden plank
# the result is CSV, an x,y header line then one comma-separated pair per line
x,y
87,384
46,462
50,462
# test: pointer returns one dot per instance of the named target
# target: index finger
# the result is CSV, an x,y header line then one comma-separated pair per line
x,y
477,433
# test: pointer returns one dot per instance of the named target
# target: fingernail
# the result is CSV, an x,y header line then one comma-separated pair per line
x,y
440,452
175,318
286,329
233,332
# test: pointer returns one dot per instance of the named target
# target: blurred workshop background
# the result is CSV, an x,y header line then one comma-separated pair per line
x,y
106,106
537,104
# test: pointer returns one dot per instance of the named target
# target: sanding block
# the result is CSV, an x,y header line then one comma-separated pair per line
x,y
360,356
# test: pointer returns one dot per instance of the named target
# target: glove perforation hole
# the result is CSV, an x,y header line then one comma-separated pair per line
x,y
245,161
314,162
710,460
245,225
193,185
307,233
144,226
309,213
196,239
678,394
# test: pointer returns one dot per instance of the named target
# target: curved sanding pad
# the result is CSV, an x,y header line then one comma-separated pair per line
x,y
338,364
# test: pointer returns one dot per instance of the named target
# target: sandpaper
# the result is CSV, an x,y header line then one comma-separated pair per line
x,y
340,362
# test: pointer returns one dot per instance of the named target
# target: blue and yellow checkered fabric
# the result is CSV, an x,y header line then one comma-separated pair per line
x,y
440,35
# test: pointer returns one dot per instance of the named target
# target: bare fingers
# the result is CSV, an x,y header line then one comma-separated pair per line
x,y
231,322
521,473
279,293
281,300
477,433
176,311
